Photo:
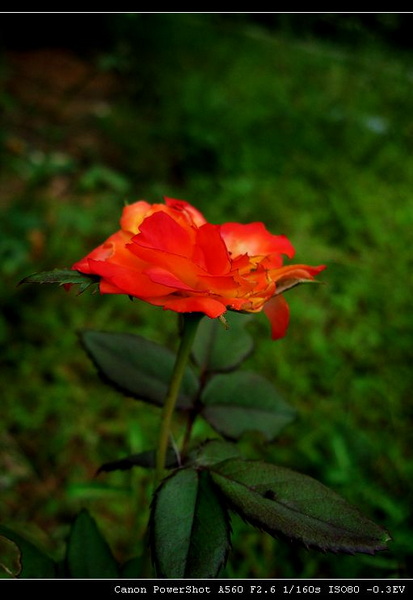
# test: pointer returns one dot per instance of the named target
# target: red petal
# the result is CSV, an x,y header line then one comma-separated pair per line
x,y
210,251
113,249
165,277
255,240
196,217
134,214
291,273
161,232
127,281
179,266
278,313
209,306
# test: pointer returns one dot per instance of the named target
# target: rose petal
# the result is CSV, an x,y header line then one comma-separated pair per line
x,y
210,251
129,281
162,232
209,306
255,240
134,214
191,213
182,267
292,275
113,249
165,277
278,313
168,255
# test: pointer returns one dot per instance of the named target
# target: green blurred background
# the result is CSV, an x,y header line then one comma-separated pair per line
x,y
304,122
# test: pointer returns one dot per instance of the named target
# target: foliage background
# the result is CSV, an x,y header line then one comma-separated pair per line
x,y
303,122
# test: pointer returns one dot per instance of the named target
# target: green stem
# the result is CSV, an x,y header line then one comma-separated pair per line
x,y
190,324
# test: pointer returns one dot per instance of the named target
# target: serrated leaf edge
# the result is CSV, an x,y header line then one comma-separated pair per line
x,y
277,533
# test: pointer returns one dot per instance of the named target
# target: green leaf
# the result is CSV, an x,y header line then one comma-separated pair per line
x,y
133,568
137,367
220,349
88,555
94,490
35,564
281,501
215,451
189,527
10,566
241,402
145,459
63,277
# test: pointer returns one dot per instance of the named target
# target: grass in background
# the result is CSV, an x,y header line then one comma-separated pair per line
x,y
312,138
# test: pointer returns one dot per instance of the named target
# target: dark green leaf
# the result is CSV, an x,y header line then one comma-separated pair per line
x,y
220,349
63,277
215,451
133,568
34,562
281,501
145,459
241,402
189,527
88,555
10,565
137,367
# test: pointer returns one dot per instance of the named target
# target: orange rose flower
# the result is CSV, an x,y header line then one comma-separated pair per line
x,y
168,255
